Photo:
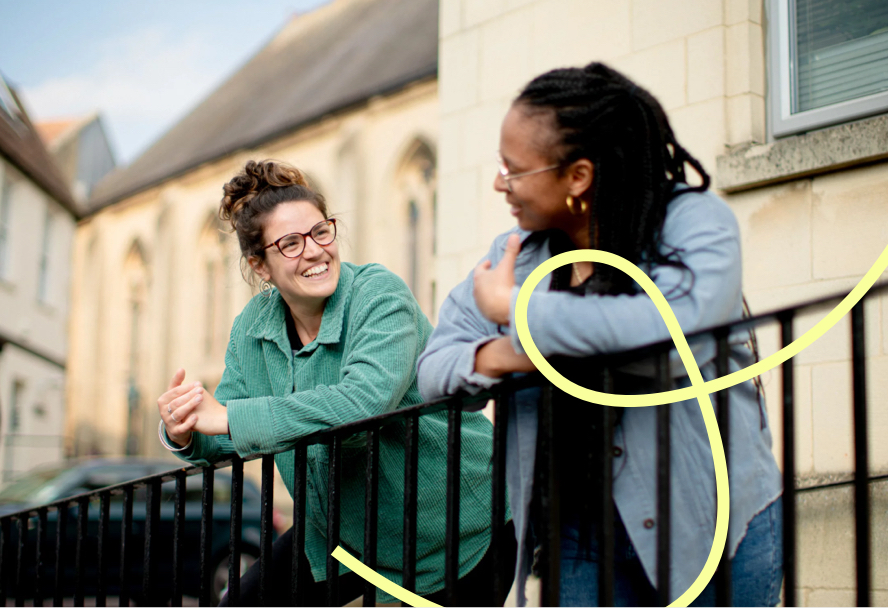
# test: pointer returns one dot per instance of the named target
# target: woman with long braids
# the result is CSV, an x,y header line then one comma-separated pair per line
x,y
588,161
325,343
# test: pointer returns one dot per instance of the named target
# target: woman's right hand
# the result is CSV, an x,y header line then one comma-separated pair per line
x,y
176,408
497,358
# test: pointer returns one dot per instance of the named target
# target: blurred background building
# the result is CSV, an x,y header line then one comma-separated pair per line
x,y
785,103
347,93
37,223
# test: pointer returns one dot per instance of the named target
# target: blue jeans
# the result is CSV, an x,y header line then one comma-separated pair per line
x,y
756,570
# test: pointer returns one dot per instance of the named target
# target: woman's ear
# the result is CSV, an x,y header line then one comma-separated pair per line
x,y
257,264
580,174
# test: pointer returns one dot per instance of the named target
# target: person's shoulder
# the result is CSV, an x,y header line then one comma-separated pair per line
x,y
498,247
375,279
702,210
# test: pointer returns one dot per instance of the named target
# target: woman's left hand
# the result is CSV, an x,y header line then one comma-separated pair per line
x,y
493,288
212,416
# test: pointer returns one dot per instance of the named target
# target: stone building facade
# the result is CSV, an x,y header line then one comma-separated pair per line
x,y
37,222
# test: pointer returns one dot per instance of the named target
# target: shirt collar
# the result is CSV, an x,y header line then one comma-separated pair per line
x,y
270,323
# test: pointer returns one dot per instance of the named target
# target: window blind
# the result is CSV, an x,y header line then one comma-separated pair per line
x,y
841,51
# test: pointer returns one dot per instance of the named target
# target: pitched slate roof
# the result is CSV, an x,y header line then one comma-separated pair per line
x,y
21,145
337,57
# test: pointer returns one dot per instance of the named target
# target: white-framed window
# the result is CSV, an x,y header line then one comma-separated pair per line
x,y
828,62
5,224
43,277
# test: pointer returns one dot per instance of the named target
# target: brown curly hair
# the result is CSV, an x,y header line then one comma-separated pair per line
x,y
253,193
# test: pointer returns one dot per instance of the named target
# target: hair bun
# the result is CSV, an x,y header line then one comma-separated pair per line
x,y
256,177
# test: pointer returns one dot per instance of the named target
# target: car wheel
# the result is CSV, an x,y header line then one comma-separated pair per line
x,y
220,574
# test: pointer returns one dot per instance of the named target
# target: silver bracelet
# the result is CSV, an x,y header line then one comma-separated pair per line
x,y
161,434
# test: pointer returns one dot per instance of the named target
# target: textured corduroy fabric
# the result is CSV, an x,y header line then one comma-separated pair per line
x,y
361,364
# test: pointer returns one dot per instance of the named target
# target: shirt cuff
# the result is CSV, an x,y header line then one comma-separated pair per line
x,y
252,422
474,381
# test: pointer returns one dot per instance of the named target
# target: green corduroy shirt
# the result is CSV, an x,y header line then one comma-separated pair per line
x,y
362,363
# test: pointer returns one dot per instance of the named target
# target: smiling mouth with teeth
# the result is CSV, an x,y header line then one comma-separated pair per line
x,y
316,270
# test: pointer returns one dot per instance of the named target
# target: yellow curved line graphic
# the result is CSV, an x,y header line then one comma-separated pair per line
x,y
379,580
699,389
693,371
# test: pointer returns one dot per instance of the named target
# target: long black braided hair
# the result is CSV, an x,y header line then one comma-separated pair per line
x,y
622,129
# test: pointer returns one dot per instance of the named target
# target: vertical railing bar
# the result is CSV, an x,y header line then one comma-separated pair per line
x,y
298,566
102,549
371,512
234,537
451,532
411,460
152,516
861,461
723,586
265,530
664,515
178,536
334,477
606,529
498,499
206,535
4,558
82,515
61,525
20,592
39,556
550,508
126,532
789,510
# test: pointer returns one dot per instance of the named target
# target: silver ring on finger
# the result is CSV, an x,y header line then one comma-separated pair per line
x,y
174,418
169,410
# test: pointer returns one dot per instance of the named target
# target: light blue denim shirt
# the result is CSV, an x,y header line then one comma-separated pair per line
x,y
705,231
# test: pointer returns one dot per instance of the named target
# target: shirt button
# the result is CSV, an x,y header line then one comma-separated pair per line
x,y
618,452
649,523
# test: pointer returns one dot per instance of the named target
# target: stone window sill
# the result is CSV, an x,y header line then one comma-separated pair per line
x,y
832,149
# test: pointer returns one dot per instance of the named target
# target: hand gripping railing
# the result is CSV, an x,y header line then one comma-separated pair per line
x,y
23,567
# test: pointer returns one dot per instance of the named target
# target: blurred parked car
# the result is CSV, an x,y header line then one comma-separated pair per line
x,y
48,484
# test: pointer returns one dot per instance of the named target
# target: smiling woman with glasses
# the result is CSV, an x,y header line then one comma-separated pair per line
x,y
325,343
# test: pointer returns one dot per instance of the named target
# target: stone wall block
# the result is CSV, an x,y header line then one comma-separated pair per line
x,y
706,65
475,12
580,41
662,70
833,431
745,59
458,71
700,128
449,17
505,55
775,227
459,196
745,119
655,22
850,226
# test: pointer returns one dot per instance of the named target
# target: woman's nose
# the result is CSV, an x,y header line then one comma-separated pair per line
x,y
312,249
500,183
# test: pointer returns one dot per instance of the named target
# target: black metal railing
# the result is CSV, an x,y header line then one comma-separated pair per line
x,y
19,558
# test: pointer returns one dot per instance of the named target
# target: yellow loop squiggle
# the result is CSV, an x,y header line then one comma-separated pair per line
x,y
698,389
693,372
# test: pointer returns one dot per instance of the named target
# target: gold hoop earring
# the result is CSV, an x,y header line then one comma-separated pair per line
x,y
572,205
265,288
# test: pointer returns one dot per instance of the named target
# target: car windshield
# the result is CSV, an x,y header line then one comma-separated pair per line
x,y
26,487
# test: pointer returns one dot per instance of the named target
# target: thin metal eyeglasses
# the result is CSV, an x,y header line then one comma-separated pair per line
x,y
508,177
292,245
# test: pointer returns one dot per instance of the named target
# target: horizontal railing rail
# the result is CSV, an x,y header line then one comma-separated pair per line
x,y
24,568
